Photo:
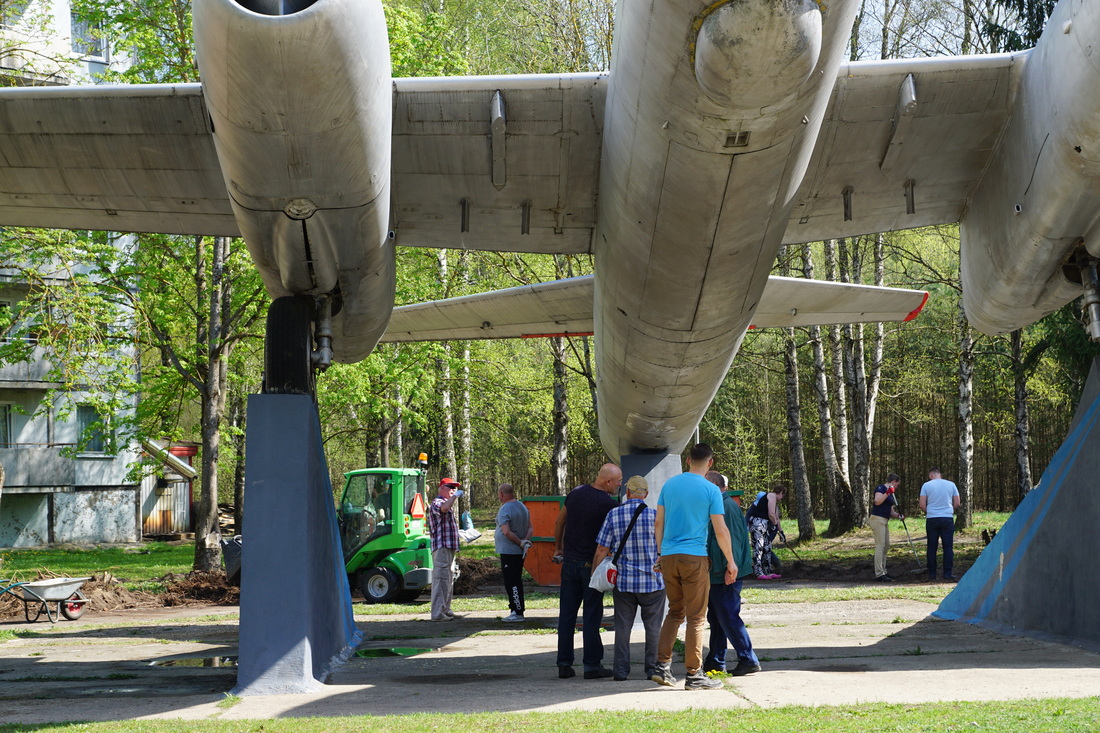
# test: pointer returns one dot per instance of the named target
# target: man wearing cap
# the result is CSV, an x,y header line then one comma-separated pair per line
x,y
443,528
575,530
638,585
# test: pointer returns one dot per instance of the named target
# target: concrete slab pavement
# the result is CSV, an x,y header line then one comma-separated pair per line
x,y
813,654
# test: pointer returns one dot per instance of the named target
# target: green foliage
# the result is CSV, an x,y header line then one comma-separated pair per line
x,y
422,43
156,34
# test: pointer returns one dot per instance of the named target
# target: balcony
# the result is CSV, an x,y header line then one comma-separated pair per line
x,y
37,469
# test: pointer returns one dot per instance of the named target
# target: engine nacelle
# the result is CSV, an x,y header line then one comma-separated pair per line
x,y
1040,198
757,53
300,99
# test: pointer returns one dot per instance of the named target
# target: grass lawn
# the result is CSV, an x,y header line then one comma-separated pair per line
x,y
136,566
991,717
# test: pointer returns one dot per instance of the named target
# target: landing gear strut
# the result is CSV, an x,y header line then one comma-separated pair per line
x,y
290,361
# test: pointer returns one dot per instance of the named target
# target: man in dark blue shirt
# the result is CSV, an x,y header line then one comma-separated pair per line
x,y
575,532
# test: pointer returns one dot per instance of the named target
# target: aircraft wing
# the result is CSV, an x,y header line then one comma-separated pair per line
x,y
133,158
558,307
507,163
792,301
564,308
933,122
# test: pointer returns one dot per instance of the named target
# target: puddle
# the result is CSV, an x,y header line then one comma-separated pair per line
x,y
195,662
396,651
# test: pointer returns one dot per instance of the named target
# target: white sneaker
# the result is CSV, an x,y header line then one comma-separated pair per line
x,y
513,618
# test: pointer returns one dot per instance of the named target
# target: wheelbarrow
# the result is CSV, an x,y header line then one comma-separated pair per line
x,y
56,597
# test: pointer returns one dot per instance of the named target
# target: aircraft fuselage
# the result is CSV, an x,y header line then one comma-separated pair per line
x,y
711,118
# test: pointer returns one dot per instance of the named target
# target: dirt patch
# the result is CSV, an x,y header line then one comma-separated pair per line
x,y
199,587
475,573
106,593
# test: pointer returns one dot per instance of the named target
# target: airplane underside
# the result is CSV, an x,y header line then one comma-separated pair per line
x,y
723,131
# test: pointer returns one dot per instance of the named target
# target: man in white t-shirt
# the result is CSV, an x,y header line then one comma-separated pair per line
x,y
939,498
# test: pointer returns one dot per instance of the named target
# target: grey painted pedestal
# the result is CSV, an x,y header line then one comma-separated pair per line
x,y
296,620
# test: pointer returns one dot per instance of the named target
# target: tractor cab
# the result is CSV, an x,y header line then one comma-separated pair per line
x,y
384,531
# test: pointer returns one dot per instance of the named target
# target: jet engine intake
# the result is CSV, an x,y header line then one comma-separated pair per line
x,y
757,53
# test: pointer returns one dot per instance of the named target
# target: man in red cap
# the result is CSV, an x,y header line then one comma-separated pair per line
x,y
443,528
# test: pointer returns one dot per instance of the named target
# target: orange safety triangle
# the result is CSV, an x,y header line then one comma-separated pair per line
x,y
417,509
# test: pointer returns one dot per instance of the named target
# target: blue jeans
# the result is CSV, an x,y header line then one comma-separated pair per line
x,y
940,529
574,590
724,617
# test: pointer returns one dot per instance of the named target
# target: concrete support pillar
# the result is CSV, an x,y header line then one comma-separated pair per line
x,y
296,620
1038,576
656,468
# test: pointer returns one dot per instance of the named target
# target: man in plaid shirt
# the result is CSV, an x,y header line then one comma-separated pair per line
x,y
443,529
638,585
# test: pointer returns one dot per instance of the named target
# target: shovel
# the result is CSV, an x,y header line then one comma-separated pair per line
x,y
919,567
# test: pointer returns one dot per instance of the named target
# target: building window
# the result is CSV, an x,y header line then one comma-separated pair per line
x,y
12,12
5,426
87,39
94,431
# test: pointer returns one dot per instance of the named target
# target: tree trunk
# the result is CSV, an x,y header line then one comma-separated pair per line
x,y
465,435
1019,379
237,418
856,381
398,425
208,554
836,349
803,501
966,420
840,494
559,458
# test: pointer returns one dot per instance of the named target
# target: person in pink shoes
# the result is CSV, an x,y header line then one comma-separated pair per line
x,y
763,519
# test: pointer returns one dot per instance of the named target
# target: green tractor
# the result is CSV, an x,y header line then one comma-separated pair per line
x,y
384,530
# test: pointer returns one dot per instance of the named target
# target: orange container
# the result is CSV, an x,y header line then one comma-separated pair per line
x,y
544,512
538,563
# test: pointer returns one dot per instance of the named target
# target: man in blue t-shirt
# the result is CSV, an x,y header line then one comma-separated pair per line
x,y
688,505
939,498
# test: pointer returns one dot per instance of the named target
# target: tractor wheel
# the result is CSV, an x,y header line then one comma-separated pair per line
x,y
288,368
379,585
73,607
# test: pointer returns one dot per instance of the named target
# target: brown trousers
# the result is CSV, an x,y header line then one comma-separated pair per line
x,y
687,586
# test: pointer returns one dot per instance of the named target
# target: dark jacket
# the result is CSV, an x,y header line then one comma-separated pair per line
x,y
739,543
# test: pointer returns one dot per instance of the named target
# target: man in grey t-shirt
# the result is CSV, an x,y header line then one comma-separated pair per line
x,y
939,498
513,537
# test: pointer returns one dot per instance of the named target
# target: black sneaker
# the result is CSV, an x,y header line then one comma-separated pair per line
x,y
743,668
620,678
598,673
662,675
884,579
699,681
949,578
565,673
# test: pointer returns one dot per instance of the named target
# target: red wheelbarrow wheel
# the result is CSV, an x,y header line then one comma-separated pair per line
x,y
72,608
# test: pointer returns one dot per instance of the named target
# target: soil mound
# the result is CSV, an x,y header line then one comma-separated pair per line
x,y
199,586
476,572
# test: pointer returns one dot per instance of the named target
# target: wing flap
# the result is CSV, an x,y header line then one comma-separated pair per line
x,y
119,158
876,138
792,301
560,307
